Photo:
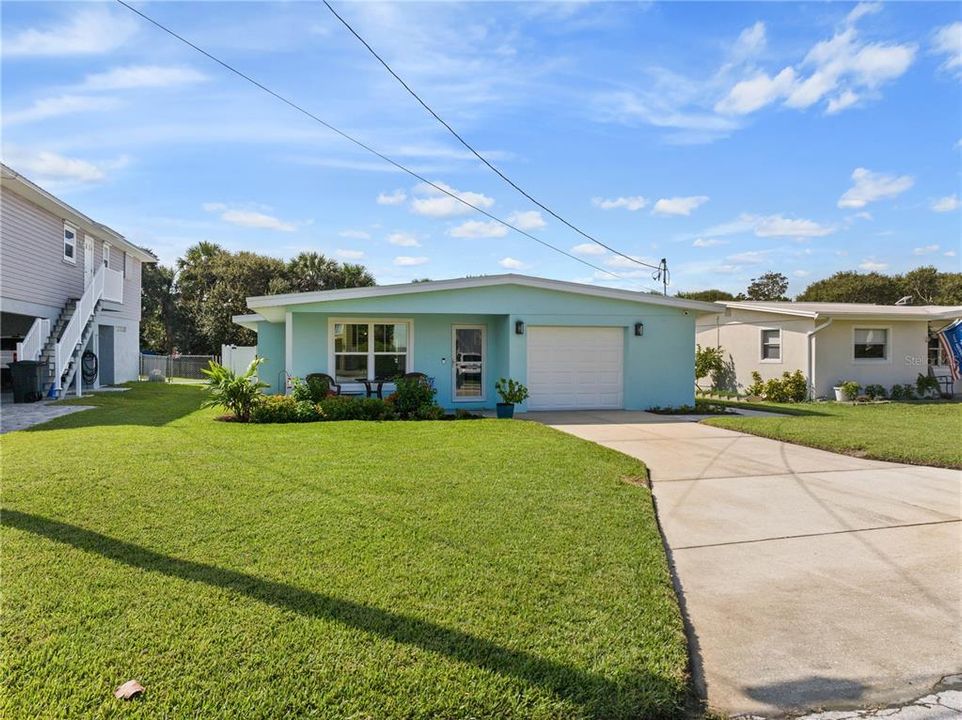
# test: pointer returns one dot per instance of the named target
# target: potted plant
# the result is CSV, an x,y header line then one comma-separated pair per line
x,y
846,391
512,392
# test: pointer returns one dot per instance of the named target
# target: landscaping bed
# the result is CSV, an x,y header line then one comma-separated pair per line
x,y
337,569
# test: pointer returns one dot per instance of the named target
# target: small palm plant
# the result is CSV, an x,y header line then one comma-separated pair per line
x,y
238,393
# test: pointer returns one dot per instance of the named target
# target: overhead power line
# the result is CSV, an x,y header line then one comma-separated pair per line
x,y
361,144
662,269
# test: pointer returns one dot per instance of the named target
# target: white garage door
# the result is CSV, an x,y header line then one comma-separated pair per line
x,y
572,368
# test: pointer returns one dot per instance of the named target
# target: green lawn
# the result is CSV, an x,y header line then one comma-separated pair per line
x,y
917,433
474,569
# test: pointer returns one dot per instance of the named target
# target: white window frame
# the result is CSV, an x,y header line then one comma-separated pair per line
x,y
454,363
73,243
105,255
887,360
761,346
331,322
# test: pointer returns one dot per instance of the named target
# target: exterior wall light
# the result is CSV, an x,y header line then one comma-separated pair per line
x,y
519,327
639,329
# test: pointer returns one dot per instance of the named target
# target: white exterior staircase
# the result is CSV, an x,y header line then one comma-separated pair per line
x,y
61,345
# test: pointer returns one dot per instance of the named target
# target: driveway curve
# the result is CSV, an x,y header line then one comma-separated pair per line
x,y
810,580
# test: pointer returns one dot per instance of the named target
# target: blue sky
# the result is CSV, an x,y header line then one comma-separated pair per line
x,y
730,138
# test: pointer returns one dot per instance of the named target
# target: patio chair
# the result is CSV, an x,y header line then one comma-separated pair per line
x,y
946,384
419,376
331,384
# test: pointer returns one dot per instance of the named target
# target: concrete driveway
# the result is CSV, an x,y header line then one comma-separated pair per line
x,y
809,579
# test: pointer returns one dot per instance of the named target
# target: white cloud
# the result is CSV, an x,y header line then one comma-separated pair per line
x,y
801,273
708,242
408,261
510,263
925,250
434,203
946,204
588,249
91,30
750,42
869,187
679,205
948,41
394,198
354,235
143,76
527,220
249,218
349,254
479,229
778,226
750,257
841,71
841,102
50,168
873,266
403,239
57,106
628,263
861,10
949,253
863,215
632,202
750,95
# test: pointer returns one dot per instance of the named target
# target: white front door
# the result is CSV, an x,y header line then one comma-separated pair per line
x,y
88,259
575,368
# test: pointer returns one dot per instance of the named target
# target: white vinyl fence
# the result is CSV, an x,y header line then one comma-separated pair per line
x,y
238,357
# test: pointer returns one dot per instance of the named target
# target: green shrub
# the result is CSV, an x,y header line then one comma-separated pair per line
x,y
410,395
902,392
239,394
429,412
348,408
926,386
276,409
790,387
850,389
312,390
511,391
758,386
876,392
709,361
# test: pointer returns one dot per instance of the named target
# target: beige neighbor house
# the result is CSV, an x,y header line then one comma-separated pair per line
x,y
68,286
829,342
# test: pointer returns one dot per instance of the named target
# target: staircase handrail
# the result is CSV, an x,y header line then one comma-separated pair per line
x,y
32,344
74,331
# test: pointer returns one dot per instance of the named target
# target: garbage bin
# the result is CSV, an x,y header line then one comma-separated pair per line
x,y
27,377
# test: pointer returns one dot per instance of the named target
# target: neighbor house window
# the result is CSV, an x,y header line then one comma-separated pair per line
x,y
370,350
69,243
871,344
124,270
771,344
107,255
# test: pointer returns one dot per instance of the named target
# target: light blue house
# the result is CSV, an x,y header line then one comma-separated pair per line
x,y
575,346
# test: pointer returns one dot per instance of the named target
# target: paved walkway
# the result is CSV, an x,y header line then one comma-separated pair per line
x,y
18,416
811,580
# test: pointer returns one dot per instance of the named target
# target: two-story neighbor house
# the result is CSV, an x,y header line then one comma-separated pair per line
x,y
67,285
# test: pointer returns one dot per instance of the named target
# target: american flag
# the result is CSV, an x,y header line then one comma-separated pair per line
x,y
950,338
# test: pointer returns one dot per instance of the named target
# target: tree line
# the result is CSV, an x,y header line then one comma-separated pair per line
x,y
188,307
925,285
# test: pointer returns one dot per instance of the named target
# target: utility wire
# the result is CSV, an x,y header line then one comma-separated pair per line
x,y
480,157
359,143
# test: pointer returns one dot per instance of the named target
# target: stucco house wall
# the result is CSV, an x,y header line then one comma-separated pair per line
x,y
835,363
739,332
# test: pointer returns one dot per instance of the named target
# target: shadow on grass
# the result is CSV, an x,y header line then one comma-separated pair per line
x,y
801,409
152,404
636,694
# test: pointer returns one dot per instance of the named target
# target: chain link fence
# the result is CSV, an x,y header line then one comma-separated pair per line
x,y
175,366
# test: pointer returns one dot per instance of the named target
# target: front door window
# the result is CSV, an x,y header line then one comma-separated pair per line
x,y
469,363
